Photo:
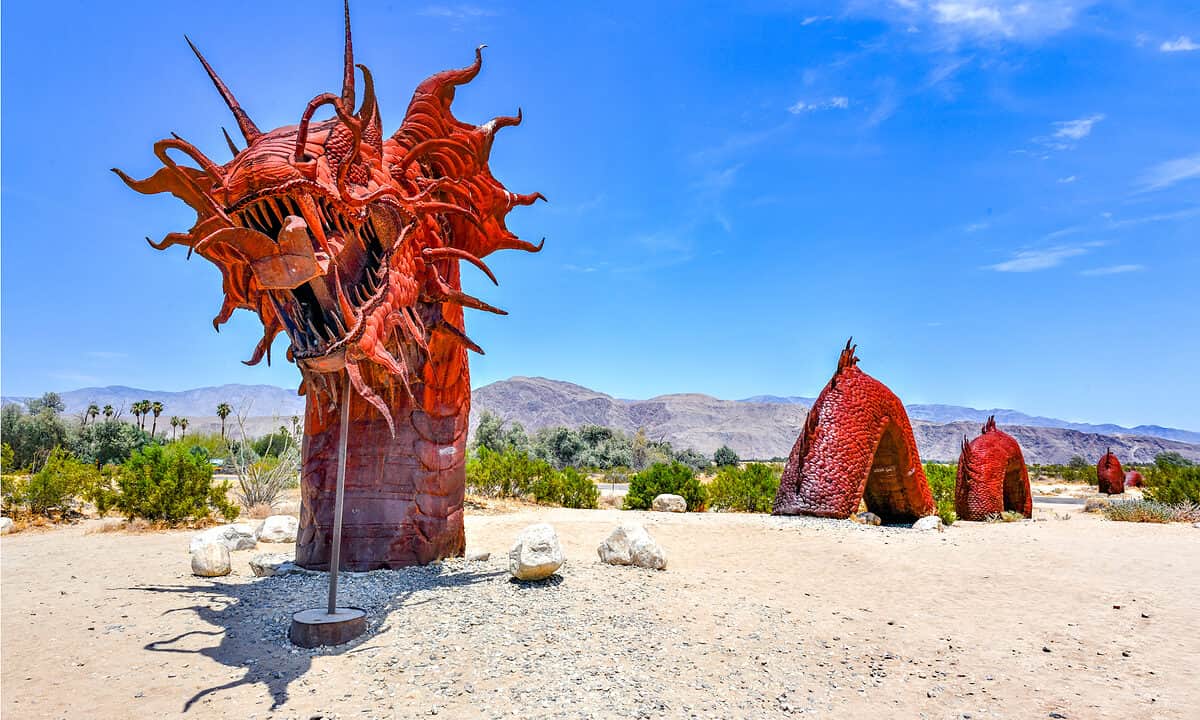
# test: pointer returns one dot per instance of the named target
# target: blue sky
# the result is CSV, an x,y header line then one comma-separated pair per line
x,y
999,200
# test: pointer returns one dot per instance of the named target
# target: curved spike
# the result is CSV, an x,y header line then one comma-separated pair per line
x,y
515,199
368,114
356,380
426,146
447,80
503,121
227,307
175,238
348,64
229,141
516,243
249,130
461,255
458,336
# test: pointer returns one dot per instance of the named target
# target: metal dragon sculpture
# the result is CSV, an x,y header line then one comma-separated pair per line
x,y
991,476
349,241
856,446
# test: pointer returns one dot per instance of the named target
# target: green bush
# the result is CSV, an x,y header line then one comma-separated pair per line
x,y
170,484
510,473
61,479
749,489
1171,483
725,456
675,478
942,478
108,442
578,490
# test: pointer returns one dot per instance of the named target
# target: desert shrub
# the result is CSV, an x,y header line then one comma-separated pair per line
x,y
1172,483
725,456
942,478
578,490
60,480
567,487
675,478
108,441
31,435
274,444
170,484
492,434
748,489
1005,517
212,442
504,474
1152,511
694,459
6,458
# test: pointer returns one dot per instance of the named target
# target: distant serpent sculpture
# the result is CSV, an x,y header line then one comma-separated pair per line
x,y
992,477
1109,474
349,241
856,445
1134,479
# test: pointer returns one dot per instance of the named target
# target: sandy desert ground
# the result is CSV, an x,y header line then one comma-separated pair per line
x,y
756,617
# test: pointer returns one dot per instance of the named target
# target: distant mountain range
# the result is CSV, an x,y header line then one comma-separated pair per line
x,y
760,427
955,413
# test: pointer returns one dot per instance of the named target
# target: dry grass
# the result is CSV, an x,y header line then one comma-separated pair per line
x,y
258,512
1005,517
611,502
140,525
1151,512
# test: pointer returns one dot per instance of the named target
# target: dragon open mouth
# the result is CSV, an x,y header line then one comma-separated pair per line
x,y
323,311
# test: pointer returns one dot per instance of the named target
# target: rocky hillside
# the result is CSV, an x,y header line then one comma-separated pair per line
x,y
768,429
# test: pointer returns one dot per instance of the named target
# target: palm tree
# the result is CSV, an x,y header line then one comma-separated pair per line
x,y
223,411
108,412
156,407
90,414
136,409
183,424
174,424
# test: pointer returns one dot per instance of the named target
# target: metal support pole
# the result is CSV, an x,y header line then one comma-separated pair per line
x,y
335,554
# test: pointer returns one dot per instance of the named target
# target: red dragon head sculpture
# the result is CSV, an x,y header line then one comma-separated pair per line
x,y
343,238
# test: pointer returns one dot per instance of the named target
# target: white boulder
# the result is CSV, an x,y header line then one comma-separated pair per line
x,y
210,560
272,564
278,529
536,554
668,503
6,525
929,522
236,536
478,556
630,544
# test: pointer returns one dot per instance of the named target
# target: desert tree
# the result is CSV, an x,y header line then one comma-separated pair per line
x,y
183,422
108,412
174,425
223,411
261,478
156,408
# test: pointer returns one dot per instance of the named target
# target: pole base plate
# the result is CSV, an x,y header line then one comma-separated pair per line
x,y
316,627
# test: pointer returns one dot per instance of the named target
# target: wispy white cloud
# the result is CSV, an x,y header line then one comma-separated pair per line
x,y
1067,133
982,20
977,226
837,102
1183,43
1113,270
1039,259
457,12
1067,180
1165,174
1077,129
815,19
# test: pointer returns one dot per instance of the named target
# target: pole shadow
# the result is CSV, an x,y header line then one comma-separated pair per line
x,y
254,617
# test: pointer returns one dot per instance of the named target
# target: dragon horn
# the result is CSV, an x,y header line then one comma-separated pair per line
x,y
249,130
348,67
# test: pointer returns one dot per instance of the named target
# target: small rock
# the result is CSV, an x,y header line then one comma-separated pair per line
x,y
210,560
1124,653
867,518
668,503
478,556
536,554
278,529
272,564
929,522
1045,649
236,536
630,544
6,525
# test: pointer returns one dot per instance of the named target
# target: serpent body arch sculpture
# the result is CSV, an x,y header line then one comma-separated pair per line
x,y
1109,474
348,241
1134,479
857,444
992,476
